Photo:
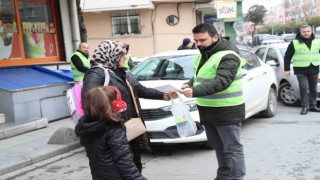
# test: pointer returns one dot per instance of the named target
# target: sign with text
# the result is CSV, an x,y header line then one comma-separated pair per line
x,y
226,9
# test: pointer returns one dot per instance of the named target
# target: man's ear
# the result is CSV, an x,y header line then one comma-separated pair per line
x,y
216,37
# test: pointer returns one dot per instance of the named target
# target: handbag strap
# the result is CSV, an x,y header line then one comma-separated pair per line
x,y
133,97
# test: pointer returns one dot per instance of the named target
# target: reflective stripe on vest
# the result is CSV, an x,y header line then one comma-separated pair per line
x,y
304,56
78,75
232,95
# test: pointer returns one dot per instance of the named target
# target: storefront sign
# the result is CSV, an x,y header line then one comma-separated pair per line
x,y
226,9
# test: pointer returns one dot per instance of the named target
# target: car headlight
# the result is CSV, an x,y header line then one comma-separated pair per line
x,y
192,106
166,108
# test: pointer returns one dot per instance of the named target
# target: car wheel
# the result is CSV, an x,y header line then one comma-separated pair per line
x,y
272,104
286,95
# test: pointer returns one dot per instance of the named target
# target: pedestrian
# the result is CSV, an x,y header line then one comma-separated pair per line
x,y
186,44
107,68
80,62
216,87
304,52
103,135
128,62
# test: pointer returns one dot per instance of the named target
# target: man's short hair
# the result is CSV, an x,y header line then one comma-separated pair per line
x,y
305,26
205,27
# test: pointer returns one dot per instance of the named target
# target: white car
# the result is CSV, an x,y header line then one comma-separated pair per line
x,y
175,68
273,54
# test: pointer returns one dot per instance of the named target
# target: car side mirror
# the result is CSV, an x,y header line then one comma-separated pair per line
x,y
273,63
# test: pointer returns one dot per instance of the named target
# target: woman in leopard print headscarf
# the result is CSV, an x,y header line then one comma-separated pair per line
x,y
108,54
107,69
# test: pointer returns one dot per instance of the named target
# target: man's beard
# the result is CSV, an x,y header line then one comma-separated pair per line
x,y
201,47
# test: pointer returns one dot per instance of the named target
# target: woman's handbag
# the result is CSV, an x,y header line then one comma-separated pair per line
x,y
134,126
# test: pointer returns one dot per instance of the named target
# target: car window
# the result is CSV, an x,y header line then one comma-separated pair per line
x,y
260,52
272,55
252,60
172,67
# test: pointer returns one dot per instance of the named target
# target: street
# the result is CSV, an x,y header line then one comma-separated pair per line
x,y
285,147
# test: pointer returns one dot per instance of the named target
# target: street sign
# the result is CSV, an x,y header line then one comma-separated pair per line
x,y
250,29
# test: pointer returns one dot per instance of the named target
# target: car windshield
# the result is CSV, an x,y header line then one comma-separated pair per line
x,y
169,67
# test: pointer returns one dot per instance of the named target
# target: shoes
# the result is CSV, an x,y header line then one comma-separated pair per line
x,y
304,111
315,109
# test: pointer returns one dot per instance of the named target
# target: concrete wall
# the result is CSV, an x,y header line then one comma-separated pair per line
x,y
163,38
33,104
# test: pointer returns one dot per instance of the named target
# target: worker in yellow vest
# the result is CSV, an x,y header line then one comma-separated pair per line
x,y
128,62
304,51
217,89
80,62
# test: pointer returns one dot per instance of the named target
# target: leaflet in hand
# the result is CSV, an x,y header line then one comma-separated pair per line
x,y
167,88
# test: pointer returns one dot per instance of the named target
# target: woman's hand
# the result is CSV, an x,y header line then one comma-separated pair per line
x,y
173,95
170,95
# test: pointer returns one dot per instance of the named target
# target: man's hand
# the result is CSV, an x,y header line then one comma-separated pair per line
x,y
187,92
286,73
185,86
319,76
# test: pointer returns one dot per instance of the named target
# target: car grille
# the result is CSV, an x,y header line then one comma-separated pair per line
x,y
172,132
155,114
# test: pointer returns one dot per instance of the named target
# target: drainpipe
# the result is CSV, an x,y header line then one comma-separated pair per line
x,y
65,18
74,24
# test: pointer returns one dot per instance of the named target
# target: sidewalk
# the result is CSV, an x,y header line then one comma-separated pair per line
x,y
32,147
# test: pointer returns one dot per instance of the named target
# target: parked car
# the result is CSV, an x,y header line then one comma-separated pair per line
x,y
273,55
270,39
175,68
288,37
257,39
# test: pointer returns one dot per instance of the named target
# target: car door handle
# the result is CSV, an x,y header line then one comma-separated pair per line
x,y
264,73
250,79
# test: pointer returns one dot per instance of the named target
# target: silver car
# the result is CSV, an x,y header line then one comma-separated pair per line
x,y
273,54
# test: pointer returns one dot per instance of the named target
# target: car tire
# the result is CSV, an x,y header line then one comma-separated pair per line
x,y
272,104
286,95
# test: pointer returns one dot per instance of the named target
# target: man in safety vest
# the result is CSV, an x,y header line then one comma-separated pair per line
x,y
304,52
128,62
80,62
217,88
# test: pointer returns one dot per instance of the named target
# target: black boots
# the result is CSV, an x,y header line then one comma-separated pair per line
x,y
304,111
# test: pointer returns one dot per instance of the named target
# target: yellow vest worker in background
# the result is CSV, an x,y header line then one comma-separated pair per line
x,y
304,51
80,62
128,62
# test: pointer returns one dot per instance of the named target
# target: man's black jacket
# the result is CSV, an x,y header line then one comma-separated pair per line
x,y
226,74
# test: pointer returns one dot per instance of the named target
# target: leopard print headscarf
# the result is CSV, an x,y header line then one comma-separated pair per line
x,y
107,54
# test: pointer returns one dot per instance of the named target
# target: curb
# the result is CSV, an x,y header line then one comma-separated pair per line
x,y
32,160
10,130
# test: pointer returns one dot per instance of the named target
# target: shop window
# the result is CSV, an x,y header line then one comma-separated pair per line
x,y
38,29
9,36
125,23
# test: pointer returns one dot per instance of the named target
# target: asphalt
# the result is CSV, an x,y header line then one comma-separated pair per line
x,y
26,144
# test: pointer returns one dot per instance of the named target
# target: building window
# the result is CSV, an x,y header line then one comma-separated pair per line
x,y
125,23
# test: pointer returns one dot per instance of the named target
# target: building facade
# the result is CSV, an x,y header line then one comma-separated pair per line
x,y
33,32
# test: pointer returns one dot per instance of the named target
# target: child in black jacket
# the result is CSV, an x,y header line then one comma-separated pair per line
x,y
103,135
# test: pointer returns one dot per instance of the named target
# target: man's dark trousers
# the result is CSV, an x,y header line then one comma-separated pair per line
x,y
225,139
308,89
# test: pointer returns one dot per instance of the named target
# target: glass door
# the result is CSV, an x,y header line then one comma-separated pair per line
x,y
9,33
